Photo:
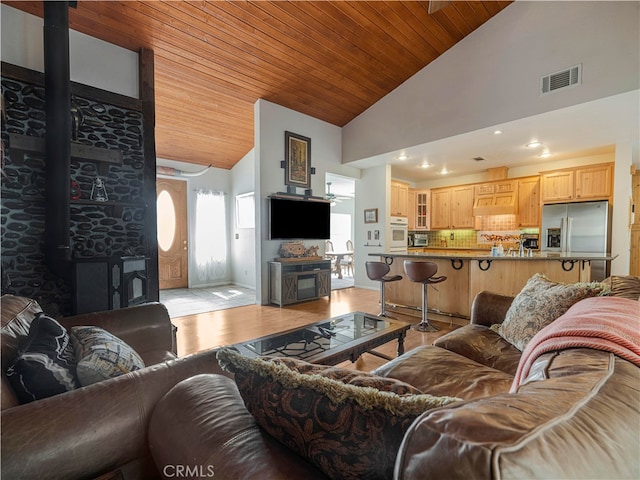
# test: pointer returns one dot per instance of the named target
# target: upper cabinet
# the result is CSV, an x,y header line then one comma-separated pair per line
x,y
440,208
423,210
452,208
419,209
593,182
462,207
529,202
456,207
399,199
413,210
557,186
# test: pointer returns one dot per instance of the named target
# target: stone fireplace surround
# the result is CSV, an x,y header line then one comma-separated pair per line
x,y
117,228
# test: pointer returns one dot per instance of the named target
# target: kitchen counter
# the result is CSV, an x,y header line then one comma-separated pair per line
x,y
469,272
485,255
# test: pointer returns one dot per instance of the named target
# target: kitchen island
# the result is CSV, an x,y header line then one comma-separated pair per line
x,y
469,273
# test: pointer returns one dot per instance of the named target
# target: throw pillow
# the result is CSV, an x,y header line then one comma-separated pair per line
x,y
349,424
626,286
45,365
538,304
101,355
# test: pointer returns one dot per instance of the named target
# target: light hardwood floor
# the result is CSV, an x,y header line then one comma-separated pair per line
x,y
225,327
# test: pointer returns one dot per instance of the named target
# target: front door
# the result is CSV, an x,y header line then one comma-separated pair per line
x,y
173,253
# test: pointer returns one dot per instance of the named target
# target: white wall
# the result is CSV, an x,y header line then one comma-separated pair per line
x,y
215,179
92,61
243,240
492,76
372,191
271,121
621,215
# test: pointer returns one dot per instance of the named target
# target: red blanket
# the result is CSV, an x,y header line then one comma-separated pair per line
x,y
611,324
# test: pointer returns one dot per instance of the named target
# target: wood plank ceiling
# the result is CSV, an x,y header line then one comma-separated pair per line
x,y
215,59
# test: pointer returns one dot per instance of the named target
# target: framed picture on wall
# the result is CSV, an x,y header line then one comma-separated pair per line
x,y
371,215
297,165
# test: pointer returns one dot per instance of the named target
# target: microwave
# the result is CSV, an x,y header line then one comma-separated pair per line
x,y
420,240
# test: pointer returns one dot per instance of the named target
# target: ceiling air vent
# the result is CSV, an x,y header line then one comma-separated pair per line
x,y
563,79
478,159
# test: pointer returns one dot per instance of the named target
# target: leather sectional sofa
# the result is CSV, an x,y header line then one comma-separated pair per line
x,y
100,428
575,415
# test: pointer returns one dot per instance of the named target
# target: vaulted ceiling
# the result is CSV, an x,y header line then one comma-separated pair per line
x,y
214,59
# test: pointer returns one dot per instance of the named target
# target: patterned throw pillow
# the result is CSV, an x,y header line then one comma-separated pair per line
x,y
45,365
626,286
349,424
538,304
101,355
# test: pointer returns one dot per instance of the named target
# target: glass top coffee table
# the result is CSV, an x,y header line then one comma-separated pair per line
x,y
331,341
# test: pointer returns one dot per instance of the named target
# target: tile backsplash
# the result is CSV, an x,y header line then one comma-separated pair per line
x,y
453,238
474,238
496,222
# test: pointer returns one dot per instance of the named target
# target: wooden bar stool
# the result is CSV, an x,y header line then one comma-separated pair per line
x,y
378,271
423,272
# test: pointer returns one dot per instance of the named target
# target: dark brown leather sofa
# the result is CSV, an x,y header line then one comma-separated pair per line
x,y
100,428
576,415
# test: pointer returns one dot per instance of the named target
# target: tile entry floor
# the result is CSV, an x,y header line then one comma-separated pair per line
x,y
189,301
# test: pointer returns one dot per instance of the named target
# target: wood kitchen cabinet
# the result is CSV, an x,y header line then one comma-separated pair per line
x,y
634,262
593,182
399,198
423,210
413,209
462,207
452,208
529,202
440,208
557,186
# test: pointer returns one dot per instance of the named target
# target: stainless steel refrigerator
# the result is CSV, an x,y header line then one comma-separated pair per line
x,y
577,227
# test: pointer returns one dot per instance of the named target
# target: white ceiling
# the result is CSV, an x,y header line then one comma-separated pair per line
x,y
580,130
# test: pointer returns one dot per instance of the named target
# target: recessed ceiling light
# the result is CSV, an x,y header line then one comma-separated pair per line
x,y
424,165
444,171
534,144
402,156
545,154
497,132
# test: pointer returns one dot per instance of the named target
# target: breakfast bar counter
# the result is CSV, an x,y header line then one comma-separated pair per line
x,y
470,272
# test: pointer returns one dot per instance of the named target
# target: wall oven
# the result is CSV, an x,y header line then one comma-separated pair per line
x,y
399,232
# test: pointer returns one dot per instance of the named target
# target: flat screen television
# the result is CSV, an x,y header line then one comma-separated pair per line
x,y
292,219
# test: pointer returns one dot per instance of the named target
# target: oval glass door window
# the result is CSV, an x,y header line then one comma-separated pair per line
x,y
166,221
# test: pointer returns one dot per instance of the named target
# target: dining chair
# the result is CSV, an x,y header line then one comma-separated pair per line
x,y
347,261
328,247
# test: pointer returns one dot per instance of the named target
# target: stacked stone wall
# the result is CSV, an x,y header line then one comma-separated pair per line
x,y
98,229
